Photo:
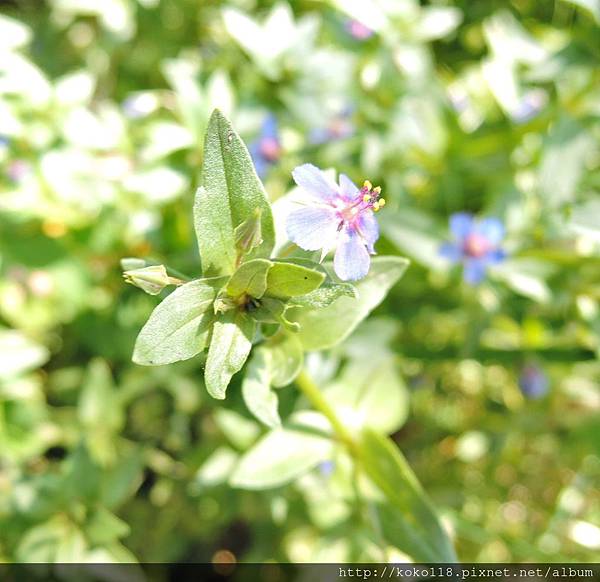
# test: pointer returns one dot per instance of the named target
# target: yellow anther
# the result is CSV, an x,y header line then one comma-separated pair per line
x,y
377,190
367,185
366,197
376,206
381,202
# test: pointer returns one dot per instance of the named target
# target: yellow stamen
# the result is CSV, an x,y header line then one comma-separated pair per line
x,y
367,185
366,197
376,206
381,202
377,190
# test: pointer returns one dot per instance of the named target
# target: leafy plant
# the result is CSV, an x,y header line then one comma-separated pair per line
x,y
276,308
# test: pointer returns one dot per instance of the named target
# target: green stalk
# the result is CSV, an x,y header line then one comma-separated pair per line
x,y
311,391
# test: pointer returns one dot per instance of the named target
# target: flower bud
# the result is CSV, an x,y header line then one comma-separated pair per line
x,y
151,279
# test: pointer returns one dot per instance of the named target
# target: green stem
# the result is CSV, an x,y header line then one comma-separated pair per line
x,y
316,398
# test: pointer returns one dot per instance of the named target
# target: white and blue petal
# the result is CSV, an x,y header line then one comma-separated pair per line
x,y
492,229
452,252
461,224
368,228
495,256
313,227
347,188
351,261
474,271
315,182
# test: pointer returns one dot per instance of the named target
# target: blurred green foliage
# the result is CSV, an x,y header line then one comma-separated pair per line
x,y
490,107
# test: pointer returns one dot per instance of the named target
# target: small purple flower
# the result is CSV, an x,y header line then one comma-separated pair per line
x,y
326,468
139,105
18,170
336,216
266,150
358,30
530,105
476,245
533,381
339,127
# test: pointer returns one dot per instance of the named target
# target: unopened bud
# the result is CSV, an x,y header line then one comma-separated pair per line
x,y
248,234
151,279
223,304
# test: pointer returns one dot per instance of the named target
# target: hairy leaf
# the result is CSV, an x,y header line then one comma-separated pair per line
x,y
230,194
178,327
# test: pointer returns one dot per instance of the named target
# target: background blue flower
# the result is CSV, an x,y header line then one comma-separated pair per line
x,y
533,381
266,149
475,245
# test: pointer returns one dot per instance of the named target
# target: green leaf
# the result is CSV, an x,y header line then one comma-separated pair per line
x,y
371,391
230,194
256,389
287,357
18,354
250,278
416,234
238,429
56,540
178,327
563,161
216,469
229,348
584,219
324,296
100,412
120,481
327,327
279,457
288,280
417,527
104,527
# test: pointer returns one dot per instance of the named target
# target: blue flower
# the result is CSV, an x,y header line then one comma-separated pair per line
x,y
266,150
476,245
336,216
326,468
339,127
533,381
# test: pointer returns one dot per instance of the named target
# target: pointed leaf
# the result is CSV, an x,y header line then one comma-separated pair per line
x,y
288,280
324,328
279,457
231,193
256,389
287,357
250,278
178,327
229,348
325,295
388,469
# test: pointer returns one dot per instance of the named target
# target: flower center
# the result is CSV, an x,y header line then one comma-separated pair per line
x,y
270,148
368,198
476,245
